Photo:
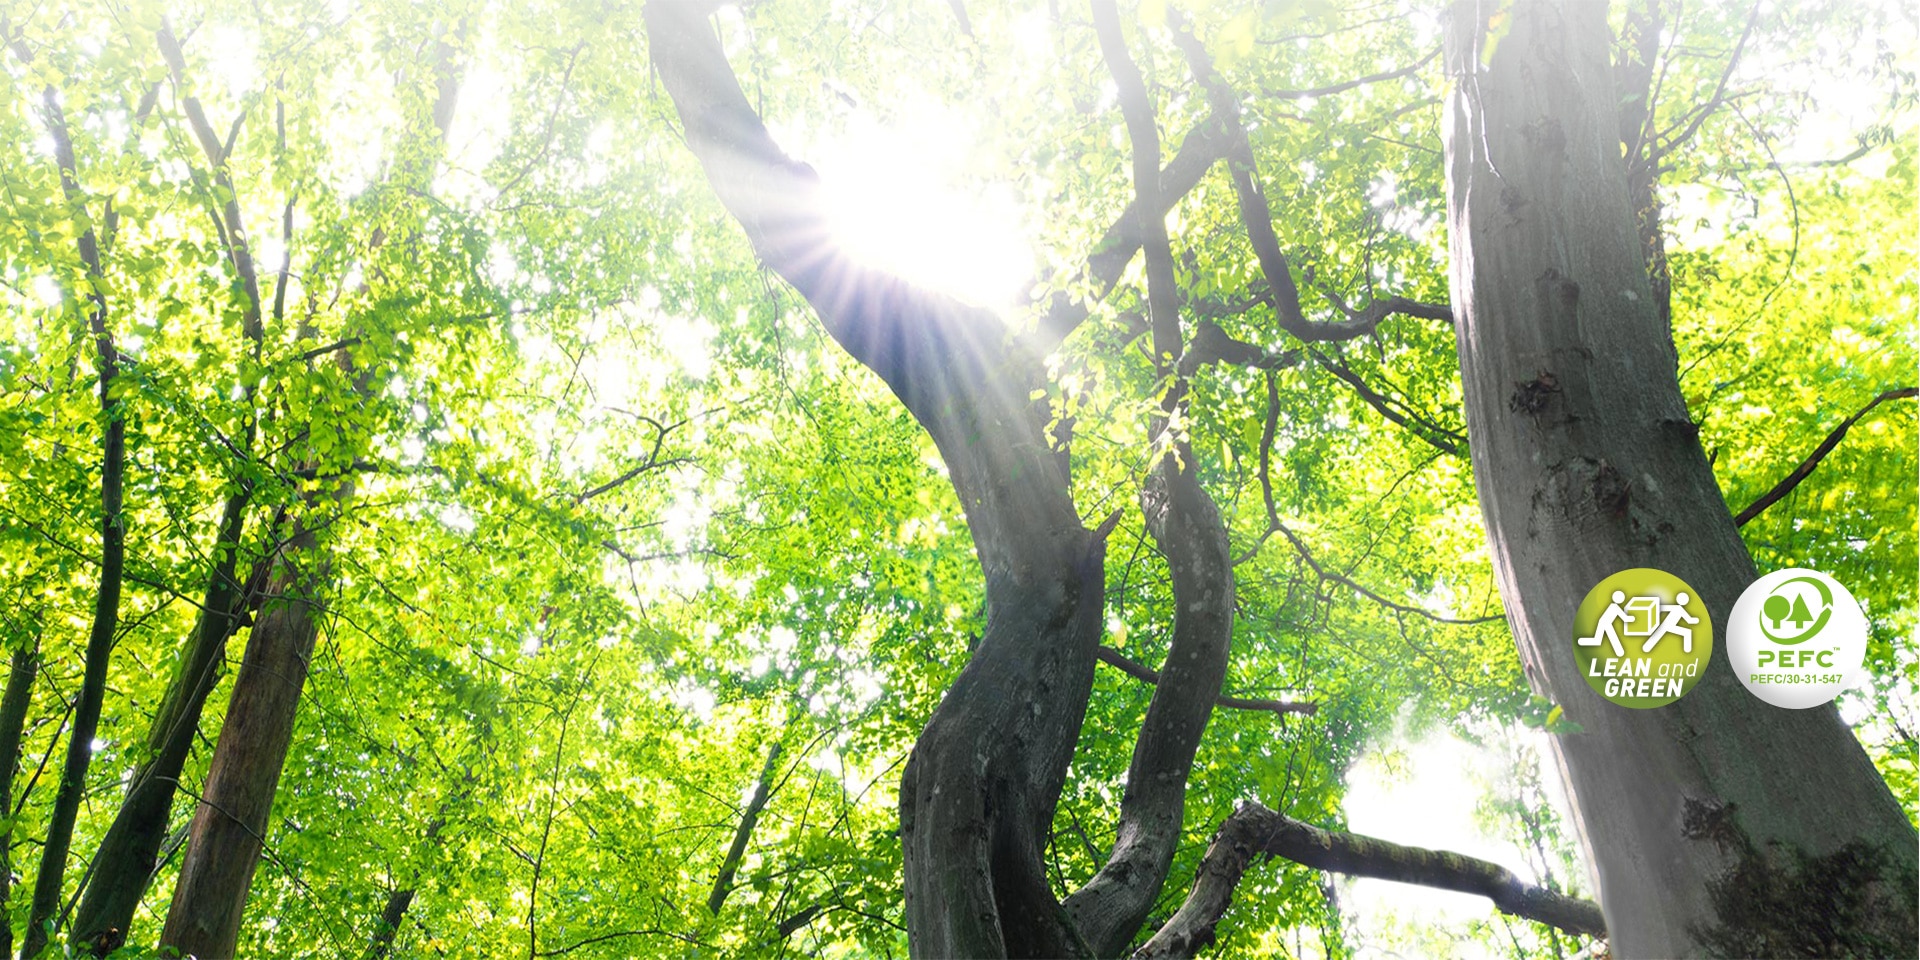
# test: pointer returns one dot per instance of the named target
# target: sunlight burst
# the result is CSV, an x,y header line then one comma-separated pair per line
x,y
902,200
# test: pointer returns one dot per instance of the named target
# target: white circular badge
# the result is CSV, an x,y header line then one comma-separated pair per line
x,y
1797,638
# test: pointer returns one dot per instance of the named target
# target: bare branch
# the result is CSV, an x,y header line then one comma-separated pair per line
x,y
1667,140
1145,674
1202,148
652,462
1343,87
1806,467
1441,438
1283,295
1254,830
762,792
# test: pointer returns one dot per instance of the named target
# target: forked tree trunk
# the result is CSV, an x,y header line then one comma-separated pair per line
x,y
1587,463
125,860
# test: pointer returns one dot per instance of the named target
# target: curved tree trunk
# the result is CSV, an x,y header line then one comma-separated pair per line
x,y
978,794
1587,463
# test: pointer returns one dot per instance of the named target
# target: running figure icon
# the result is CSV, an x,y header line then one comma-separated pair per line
x,y
1613,617
1670,623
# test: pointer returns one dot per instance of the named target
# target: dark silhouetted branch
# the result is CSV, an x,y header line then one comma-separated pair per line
x,y
762,792
1145,674
1806,467
1254,830
1441,438
1283,295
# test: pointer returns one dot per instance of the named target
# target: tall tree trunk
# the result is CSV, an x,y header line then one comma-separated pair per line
x,y
123,865
1587,463
48,883
13,719
226,836
230,824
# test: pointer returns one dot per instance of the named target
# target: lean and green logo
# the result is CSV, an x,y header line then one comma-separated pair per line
x,y
1643,638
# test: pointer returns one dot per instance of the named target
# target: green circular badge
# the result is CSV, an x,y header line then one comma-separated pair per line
x,y
1642,638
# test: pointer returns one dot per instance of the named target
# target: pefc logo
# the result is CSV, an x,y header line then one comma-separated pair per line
x,y
1788,604
1796,638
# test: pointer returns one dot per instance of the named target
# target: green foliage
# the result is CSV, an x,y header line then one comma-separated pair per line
x,y
623,517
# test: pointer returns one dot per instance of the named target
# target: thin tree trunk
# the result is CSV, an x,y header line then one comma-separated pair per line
x,y
227,833
124,862
47,887
1599,469
13,719
762,792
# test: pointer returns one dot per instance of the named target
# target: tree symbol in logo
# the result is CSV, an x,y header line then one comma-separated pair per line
x,y
1789,606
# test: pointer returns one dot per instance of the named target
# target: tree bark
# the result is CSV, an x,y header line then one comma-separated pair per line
x,y
230,824
125,860
48,883
1186,525
394,911
1599,469
13,719
1254,830
762,792
227,834
978,794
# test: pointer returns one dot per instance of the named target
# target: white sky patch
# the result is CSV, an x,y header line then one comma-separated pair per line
x,y
1421,793
900,202
231,58
482,118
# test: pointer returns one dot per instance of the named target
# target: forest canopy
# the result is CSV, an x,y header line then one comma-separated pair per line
x,y
474,480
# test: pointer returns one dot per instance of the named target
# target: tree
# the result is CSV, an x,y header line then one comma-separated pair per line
x,y
611,586
1602,471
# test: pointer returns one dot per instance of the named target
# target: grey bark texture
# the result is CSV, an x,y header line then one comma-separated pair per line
x,y
1587,463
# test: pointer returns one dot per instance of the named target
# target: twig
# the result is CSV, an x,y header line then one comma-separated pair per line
x,y
1145,674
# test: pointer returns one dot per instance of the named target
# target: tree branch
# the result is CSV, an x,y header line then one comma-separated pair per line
x,y
1254,830
1441,438
1344,86
762,792
652,461
1204,146
1806,467
1145,674
1283,295
1667,140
